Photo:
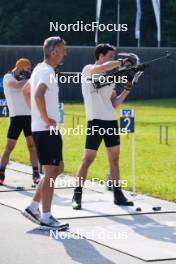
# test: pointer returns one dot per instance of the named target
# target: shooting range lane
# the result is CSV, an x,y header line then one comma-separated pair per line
x,y
18,181
146,237
95,204
154,234
107,224
19,177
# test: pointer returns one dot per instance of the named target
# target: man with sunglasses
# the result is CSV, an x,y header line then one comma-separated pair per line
x,y
101,116
41,94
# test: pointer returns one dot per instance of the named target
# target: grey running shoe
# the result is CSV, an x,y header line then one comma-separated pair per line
x,y
34,217
53,223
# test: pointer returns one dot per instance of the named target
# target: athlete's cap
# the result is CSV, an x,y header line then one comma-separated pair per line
x,y
21,63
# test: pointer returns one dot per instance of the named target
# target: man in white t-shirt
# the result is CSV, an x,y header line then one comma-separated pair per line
x,y
102,122
20,117
42,96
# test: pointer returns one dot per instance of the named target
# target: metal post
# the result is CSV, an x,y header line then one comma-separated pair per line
x,y
133,166
77,123
159,44
118,22
161,134
40,168
167,135
73,121
108,182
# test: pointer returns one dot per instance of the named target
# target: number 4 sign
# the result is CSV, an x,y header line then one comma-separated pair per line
x,y
4,111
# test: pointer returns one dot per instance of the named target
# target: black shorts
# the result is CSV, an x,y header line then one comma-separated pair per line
x,y
19,124
102,130
49,147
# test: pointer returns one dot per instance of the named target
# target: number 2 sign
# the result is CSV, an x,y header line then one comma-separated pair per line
x,y
127,120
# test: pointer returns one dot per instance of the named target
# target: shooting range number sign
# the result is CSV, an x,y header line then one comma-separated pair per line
x,y
127,120
4,111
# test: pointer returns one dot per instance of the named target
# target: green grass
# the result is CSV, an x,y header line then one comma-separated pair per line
x,y
155,162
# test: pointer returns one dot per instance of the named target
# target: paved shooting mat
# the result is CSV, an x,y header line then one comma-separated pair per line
x,y
16,179
19,167
94,204
147,237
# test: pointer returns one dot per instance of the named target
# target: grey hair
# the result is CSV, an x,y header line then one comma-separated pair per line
x,y
50,44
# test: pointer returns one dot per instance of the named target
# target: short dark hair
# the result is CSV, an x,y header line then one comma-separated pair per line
x,y
103,48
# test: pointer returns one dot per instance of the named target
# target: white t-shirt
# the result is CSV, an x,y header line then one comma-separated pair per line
x,y
44,73
14,97
97,103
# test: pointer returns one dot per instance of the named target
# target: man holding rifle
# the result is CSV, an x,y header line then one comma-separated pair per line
x,y
100,107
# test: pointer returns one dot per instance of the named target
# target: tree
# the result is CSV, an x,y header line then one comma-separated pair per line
x,y
27,22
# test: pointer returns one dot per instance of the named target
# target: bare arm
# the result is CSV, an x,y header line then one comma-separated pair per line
x,y
107,66
16,84
116,101
40,101
26,90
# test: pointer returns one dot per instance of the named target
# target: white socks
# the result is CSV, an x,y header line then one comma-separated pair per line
x,y
45,216
34,206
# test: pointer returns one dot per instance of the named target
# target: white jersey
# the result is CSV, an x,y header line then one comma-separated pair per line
x,y
44,73
98,104
15,100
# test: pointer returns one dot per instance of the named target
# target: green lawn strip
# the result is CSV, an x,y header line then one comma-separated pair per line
x,y
155,162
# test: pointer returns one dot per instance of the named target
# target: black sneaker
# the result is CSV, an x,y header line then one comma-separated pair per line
x,y
34,217
120,199
76,201
53,223
2,178
36,177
